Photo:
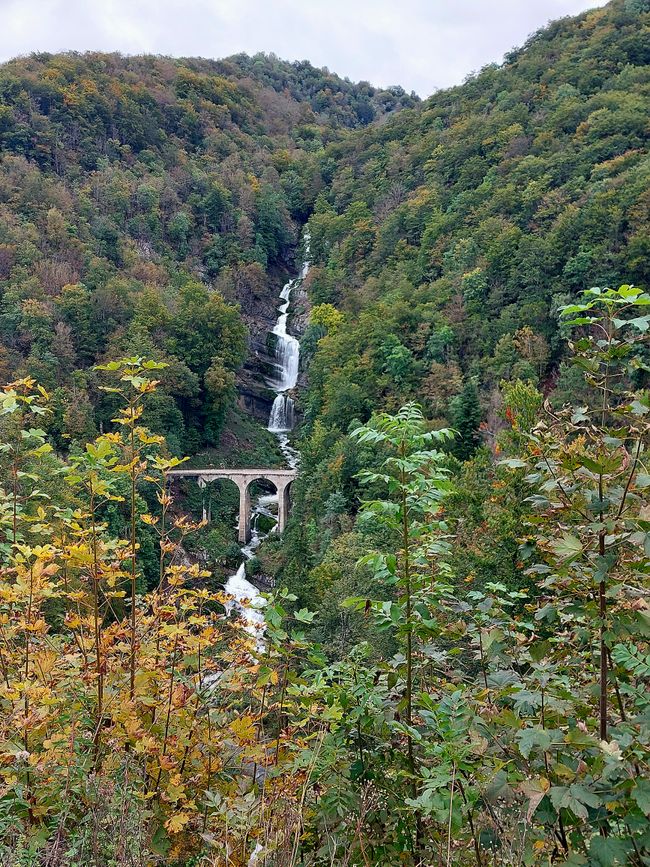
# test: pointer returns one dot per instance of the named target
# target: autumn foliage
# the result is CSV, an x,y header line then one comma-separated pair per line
x,y
131,723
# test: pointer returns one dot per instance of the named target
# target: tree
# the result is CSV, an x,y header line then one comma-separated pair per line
x,y
591,457
525,735
398,361
220,388
178,230
205,326
415,482
465,412
326,316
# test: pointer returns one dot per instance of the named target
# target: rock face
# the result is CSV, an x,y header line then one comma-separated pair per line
x,y
258,299
253,402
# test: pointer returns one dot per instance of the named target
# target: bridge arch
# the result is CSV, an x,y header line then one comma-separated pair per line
x,y
243,478
213,491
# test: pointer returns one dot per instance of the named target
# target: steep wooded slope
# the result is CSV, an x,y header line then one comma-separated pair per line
x,y
447,238
336,101
129,188
452,226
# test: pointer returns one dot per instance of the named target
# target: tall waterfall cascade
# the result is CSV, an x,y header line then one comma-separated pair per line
x,y
246,597
287,357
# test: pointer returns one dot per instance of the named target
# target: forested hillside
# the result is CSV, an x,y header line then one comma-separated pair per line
x,y
336,101
130,188
451,665
446,239
444,232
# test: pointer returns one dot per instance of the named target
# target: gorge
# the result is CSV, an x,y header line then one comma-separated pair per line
x,y
246,596
450,665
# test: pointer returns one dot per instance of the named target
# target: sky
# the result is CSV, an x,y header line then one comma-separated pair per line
x,y
421,44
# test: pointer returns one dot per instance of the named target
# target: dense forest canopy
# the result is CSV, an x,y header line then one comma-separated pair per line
x,y
454,665
446,239
339,102
450,228
137,194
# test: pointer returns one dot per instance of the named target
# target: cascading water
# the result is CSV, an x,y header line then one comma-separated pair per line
x,y
246,597
281,418
287,358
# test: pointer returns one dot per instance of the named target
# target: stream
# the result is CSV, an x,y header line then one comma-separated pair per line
x,y
246,597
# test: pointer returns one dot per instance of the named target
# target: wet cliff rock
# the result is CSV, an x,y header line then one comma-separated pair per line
x,y
257,294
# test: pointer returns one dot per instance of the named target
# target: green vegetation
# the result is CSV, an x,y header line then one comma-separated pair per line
x,y
455,665
135,196
492,722
336,102
444,244
450,229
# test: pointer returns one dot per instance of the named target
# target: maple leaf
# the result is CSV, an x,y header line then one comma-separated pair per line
x,y
177,822
243,728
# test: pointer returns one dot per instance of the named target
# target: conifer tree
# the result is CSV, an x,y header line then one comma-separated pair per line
x,y
466,418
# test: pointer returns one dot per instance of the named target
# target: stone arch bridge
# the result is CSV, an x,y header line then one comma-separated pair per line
x,y
282,480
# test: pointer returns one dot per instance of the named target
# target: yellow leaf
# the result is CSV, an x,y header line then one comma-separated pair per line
x,y
175,790
243,728
177,822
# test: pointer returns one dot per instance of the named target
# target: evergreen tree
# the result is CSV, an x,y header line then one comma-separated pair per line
x,y
465,411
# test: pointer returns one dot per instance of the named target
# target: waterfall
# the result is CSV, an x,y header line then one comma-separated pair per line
x,y
287,357
281,418
246,598
244,593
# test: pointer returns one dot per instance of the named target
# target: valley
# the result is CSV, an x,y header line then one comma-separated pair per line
x,y
230,286
280,423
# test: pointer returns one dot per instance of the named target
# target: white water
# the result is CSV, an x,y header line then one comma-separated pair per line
x,y
287,358
246,597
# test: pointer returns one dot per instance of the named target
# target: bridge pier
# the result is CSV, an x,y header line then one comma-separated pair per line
x,y
207,512
244,512
283,506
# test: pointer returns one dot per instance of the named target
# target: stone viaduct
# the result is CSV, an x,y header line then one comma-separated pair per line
x,y
282,480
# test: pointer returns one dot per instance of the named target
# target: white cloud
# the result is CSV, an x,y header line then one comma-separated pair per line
x,y
420,44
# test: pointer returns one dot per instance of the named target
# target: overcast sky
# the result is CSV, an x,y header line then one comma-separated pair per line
x,y
420,44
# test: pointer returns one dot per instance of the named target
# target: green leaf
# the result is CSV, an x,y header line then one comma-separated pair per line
x,y
533,738
539,650
578,738
641,794
160,842
641,322
581,320
608,851
590,464
580,413
574,798
638,407
575,859
566,546
304,616
513,463
358,602
570,309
